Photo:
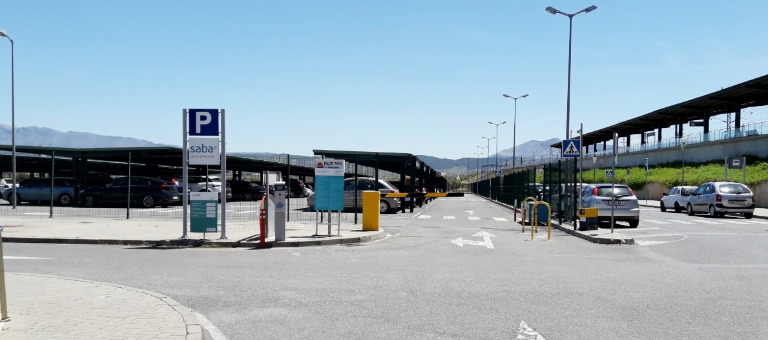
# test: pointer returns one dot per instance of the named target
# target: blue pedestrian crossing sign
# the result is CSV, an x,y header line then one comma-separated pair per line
x,y
498,173
609,173
571,148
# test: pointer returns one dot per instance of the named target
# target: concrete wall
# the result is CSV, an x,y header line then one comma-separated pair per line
x,y
700,152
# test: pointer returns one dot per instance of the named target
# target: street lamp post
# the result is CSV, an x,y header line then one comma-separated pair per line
x,y
497,142
514,128
13,124
552,10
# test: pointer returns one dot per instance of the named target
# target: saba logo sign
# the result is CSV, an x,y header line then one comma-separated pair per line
x,y
204,151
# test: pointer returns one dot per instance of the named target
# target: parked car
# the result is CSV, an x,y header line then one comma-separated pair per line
x,y
720,198
386,204
676,198
39,190
626,207
5,183
296,188
244,190
87,179
146,192
205,184
308,190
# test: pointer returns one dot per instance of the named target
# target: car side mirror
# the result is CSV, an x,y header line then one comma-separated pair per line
x,y
664,194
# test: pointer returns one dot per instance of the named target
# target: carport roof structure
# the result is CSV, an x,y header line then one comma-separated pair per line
x,y
29,159
747,94
389,161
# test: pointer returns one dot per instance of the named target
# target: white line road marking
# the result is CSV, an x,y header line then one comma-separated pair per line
x,y
756,222
425,216
213,331
708,222
500,219
449,217
41,214
734,222
650,243
525,332
470,212
473,218
681,222
657,235
25,258
657,222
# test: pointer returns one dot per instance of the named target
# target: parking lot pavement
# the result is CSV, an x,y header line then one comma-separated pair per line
x,y
98,230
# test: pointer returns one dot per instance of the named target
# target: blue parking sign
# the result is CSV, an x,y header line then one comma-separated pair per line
x,y
203,122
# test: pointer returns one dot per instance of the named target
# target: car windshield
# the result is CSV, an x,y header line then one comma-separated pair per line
x,y
687,191
734,188
619,191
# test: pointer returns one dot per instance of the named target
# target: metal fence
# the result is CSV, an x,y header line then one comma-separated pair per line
x,y
559,188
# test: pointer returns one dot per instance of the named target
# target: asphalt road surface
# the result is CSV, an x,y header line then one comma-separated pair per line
x,y
458,269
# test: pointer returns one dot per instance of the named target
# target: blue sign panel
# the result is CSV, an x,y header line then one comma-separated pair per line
x,y
571,148
204,122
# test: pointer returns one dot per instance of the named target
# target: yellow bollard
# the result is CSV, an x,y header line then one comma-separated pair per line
x,y
524,210
371,210
549,219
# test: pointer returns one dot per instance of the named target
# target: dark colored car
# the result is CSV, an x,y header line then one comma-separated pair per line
x,y
146,192
244,190
88,179
295,188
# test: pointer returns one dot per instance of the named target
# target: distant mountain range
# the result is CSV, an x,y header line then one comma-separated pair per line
x,y
40,136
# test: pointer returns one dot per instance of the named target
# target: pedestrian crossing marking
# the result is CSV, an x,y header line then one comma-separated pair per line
x,y
500,219
449,217
424,216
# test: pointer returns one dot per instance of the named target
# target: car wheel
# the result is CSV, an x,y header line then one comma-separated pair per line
x,y
634,224
248,197
662,207
748,215
712,212
65,199
148,202
383,207
677,208
690,210
90,201
17,200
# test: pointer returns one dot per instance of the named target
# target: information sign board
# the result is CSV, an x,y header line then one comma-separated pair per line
x,y
204,151
329,185
204,212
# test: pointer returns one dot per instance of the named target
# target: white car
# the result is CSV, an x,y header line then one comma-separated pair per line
x,y
676,198
5,183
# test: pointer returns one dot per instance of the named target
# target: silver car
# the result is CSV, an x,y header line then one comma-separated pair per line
x,y
626,207
676,198
39,190
386,204
720,198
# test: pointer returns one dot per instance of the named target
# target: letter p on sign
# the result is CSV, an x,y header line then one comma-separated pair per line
x,y
203,122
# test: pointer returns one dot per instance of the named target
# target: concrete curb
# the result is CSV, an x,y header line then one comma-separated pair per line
x,y
194,330
201,243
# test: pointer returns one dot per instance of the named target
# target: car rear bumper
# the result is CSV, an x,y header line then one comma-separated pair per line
x,y
730,209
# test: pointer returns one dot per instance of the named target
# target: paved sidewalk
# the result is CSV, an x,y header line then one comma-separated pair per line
x,y
51,307
167,232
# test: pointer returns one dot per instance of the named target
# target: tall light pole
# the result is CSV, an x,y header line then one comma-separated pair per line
x,y
13,123
497,142
488,159
552,10
482,152
477,167
514,128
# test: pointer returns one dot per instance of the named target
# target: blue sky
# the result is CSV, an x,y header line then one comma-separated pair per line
x,y
422,77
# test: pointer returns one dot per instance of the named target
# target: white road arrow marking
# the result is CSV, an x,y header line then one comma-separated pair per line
x,y
525,332
485,242
471,212
500,219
